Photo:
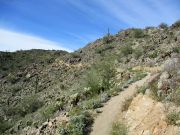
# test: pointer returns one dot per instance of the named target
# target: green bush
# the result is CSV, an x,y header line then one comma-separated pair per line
x,y
176,49
100,77
119,128
92,104
29,105
142,89
138,76
15,88
154,91
153,55
12,78
176,97
48,111
78,125
107,72
114,91
138,52
104,48
171,118
126,50
92,81
75,55
75,111
4,125
138,33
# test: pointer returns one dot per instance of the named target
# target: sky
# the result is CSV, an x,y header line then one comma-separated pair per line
x,y
71,24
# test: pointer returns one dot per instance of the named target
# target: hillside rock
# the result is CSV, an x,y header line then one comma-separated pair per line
x,y
147,117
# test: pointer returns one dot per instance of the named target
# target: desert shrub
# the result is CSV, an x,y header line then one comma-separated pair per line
x,y
75,55
104,48
126,104
48,111
107,39
153,55
107,72
99,49
92,104
154,91
126,50
177,24
29,105
75,111
119,128
138,52
4,125
114,91
12,78
163,26
143,89
176,96
176,49
15,88
92,80
78,125
171,66
11,111
171,118
138,76
100,77
138,33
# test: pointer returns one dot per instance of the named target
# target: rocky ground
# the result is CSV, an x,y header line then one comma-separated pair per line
x,y
145,116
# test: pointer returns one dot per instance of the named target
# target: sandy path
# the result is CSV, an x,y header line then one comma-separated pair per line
x,y
112,108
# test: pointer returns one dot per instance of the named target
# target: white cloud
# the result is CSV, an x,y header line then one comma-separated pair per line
x,y
13,41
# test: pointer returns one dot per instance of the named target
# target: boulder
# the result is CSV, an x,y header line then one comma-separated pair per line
x,y
160,84
163,81
145,113
164,75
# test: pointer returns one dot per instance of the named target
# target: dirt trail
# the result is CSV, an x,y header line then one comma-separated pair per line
x,y
112,108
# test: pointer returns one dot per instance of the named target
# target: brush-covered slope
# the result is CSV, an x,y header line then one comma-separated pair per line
x,y
37,85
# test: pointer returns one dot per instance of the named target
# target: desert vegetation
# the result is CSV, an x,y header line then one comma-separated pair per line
x,y
38,86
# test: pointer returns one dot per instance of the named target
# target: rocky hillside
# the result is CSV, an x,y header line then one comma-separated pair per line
x,y
56,92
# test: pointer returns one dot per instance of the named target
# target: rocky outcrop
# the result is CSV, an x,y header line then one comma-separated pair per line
x,y
47,128
147,117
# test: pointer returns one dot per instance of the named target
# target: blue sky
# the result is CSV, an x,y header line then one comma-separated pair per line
x,y
71,24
